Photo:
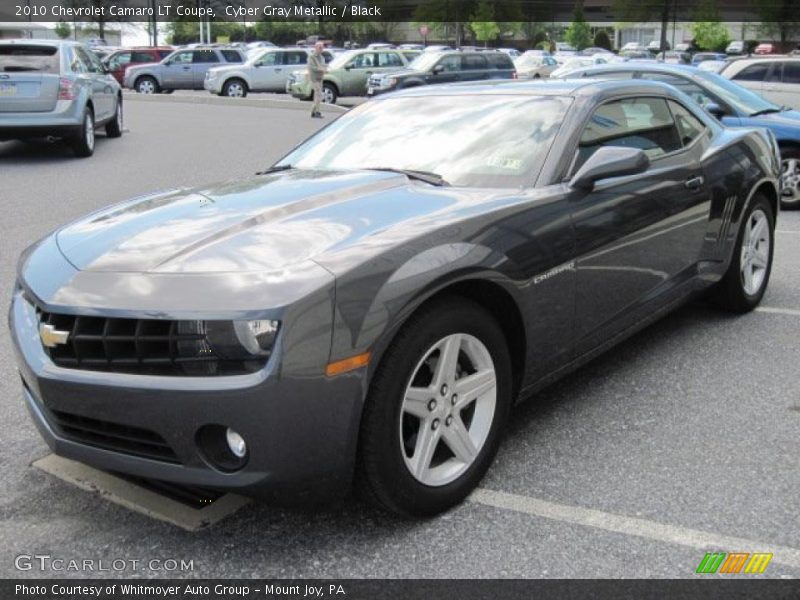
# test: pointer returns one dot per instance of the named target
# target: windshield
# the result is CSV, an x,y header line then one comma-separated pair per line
x,y
470,140
425,61
742,99
528,61
17,57
340,60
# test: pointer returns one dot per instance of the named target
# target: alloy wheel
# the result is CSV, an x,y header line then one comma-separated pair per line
x,y
146,87
327,95
448,409
755,252
89,130
235,90
790,180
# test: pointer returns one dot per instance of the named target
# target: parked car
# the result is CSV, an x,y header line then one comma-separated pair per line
x,y
118,61
685,47
775,78
534,66
736,47
444,67
699,57
512,52
655,46
677,58
437,48
57,89
417,47
591,51
765,48
348,314
715,66
182,70
636,55
267,71
348,73
634,47
578,62
732,104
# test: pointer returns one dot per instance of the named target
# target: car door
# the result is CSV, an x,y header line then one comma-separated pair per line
x,y
265,70
753,76
176,74
446,69
357,72
783,84
100,83
474,67
638,237
202,61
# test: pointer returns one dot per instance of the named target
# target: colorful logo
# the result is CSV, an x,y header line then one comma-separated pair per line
x,y
732,563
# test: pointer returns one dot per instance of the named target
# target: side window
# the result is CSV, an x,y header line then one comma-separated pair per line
x,y
499,61
270,59
775,74
450,63
328,56
90,66
182,58
232,56
204,56
389,59
142,57
689,127
691,89
295,58
756,72
76,64
363,61
791,72
473,62
551,62
119,60
643,123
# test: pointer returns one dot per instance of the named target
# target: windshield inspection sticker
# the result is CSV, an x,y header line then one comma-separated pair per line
x,y
505,162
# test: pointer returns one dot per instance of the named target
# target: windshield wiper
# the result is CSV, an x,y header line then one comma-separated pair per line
x,y
426,176
275,169
765,111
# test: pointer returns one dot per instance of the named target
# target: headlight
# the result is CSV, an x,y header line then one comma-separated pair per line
x,y
227,340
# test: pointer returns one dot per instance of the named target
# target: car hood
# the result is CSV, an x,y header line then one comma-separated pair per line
x,y
266,223
141,66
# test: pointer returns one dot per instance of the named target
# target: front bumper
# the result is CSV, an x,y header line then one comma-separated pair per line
x,y
301,431
213,85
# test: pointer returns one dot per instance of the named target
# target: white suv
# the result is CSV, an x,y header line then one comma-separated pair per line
x,y
775,78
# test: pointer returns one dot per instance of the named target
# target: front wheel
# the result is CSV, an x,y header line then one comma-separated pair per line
x,y
436,410
790,178
329,93
234,88
745,281
147,85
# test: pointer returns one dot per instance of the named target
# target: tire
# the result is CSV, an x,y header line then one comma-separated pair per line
x,y
116,125
391,472
83,142
752,254
147,85
790,178
329,93
234,88
537,76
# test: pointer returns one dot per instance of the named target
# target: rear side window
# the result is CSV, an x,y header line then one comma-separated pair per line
x,y
473,62
756,72
499,61
643,123
120,59
689,127
142,57
204,56
295,58
17,57
791,72
389,59
232,56
691,89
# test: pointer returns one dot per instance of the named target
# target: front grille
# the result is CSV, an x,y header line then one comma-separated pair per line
x,y
137,346
375,80
111,436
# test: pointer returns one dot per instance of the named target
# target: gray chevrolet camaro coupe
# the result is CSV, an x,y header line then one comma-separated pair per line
x,y
369,308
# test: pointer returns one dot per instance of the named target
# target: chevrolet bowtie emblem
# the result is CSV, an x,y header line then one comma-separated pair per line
x,y
52,337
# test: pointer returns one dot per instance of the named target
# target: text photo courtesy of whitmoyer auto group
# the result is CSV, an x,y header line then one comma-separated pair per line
x,y
413,299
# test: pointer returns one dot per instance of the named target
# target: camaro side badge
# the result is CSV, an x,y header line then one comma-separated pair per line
x,y
52,337
555,271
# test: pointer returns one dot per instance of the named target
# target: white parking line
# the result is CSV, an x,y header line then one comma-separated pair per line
x,y
779,311
672,534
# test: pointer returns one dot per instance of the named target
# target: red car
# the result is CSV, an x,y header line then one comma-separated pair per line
x,y
120,60
764,49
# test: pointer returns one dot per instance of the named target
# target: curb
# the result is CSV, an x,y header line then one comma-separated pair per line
x,y
222,101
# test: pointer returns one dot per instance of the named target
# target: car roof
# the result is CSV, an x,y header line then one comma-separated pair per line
x,y
560,87
642,66
27,42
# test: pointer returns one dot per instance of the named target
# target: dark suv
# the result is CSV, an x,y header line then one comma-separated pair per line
x,y
444,67
119,60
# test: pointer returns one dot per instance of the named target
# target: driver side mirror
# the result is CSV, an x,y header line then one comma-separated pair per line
x,y
609,161
438,69
715,109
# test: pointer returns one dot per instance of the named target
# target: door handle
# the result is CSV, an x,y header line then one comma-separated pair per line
x,y
278,70
186,68
694,182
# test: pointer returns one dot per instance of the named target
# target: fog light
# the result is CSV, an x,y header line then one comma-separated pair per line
x,y
236,443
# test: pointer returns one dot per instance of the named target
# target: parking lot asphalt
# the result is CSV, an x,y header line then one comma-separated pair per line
x,y
685,438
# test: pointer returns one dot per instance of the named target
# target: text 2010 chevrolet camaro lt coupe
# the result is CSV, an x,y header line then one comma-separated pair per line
x,y
370,307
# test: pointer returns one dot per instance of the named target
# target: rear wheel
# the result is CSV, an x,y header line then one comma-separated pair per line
x,y
790,178
329,93
746,279
147,85
436,410
115,126
234,88
83,142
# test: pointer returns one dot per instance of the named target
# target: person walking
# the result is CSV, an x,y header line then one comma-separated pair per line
x,y
316,71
